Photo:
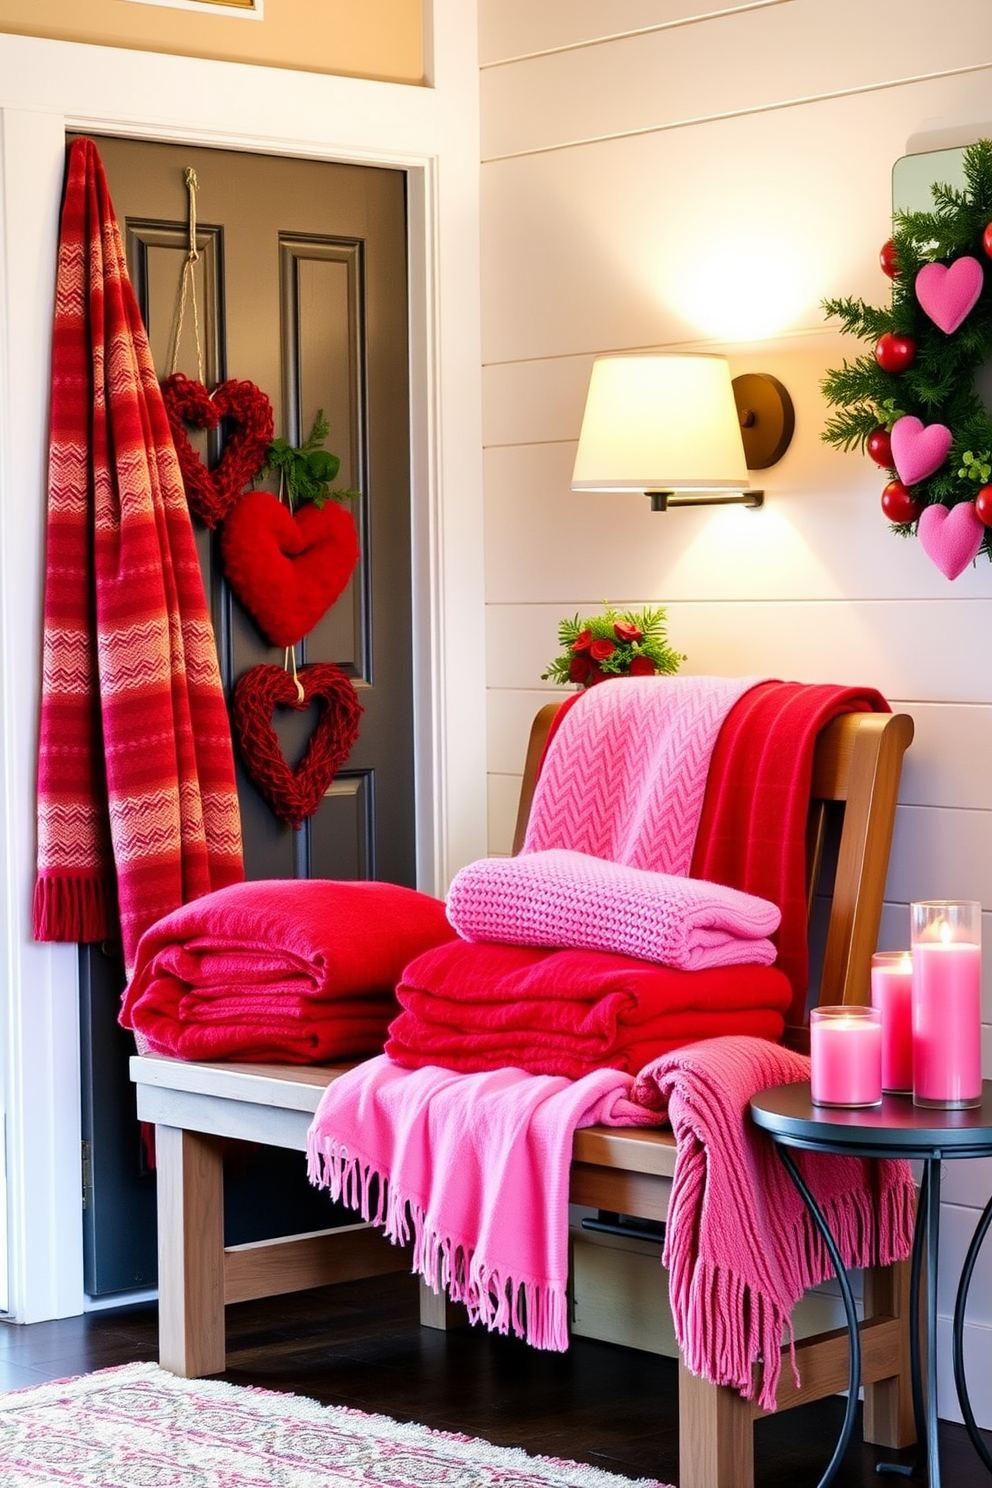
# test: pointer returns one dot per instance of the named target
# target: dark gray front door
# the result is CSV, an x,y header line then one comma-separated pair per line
x,y
302,290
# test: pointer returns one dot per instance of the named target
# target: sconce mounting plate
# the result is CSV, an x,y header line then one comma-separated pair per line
x,y
767,418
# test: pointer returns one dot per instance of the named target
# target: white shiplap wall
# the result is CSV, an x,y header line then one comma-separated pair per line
x,y
660,177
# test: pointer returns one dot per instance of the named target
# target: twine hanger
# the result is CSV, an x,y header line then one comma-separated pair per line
x,y
187,284
291,655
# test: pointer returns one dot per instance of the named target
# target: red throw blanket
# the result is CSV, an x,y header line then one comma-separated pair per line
x,y
137,805
279,969
475,1007
752,831
740,1246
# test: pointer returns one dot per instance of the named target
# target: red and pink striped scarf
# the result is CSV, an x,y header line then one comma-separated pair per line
x,y
137,804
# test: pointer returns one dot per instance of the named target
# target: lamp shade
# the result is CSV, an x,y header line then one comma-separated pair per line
x,y
660,423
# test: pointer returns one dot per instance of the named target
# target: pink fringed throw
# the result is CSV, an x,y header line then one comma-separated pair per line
x,y
740,1246
475,1169
137,805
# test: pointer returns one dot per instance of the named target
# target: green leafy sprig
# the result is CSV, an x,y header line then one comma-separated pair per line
x,y
615,644
939,385
306,471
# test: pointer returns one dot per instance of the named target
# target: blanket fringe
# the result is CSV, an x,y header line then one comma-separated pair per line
x,y
68,907
535,1311
724,1326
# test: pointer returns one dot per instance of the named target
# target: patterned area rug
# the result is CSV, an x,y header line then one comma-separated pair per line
x,y
139,1427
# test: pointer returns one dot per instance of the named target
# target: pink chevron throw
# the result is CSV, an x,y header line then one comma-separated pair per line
x,y
137,802
625,772
562,898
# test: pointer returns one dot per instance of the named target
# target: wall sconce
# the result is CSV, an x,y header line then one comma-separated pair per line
x,y
677,428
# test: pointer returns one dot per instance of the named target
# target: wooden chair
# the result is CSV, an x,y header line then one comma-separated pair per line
x,y
856,780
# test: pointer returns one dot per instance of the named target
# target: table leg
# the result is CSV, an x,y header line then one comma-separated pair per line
x,y
958,1335
915,1335
850,1312
932,1208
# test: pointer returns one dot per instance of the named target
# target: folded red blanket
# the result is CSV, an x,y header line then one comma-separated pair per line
x,y
477,1006
299,970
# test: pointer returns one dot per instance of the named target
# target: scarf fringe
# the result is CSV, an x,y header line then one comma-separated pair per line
x,y
69,907
535,1311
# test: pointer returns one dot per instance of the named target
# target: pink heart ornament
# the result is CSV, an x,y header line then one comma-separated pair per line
x,y
918,449
951,537
947,294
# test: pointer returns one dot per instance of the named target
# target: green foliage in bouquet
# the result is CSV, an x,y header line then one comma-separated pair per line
x,y
628,643
308,469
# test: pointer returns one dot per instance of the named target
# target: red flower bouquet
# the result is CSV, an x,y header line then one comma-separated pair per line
x,y
614,644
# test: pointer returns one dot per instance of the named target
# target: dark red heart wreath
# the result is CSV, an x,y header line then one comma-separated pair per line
x,y
295,794
212,493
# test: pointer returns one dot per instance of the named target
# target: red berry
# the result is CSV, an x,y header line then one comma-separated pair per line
x,y
987,240
879,446
887,258
983,505
895,353
899,504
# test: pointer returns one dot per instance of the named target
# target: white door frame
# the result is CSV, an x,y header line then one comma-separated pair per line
x,y
432,133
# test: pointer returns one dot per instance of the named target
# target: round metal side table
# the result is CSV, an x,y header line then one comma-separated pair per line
x,y
896,1128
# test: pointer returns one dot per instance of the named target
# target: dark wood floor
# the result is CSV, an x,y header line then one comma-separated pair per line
x,y
361,1345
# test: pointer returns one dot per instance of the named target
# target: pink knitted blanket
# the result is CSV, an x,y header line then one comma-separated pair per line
x,y
740,1246
625,772
562,898
475,1168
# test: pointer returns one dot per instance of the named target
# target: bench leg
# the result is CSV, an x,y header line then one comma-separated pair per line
x,y
888,1410
716,1435
190,1252
438,1311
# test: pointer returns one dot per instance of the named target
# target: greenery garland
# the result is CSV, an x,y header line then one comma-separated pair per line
x,y
917,369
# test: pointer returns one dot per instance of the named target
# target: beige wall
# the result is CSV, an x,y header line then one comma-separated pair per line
x,y
380,39
658,177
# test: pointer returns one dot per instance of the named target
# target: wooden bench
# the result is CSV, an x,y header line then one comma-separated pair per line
x,y
196,1105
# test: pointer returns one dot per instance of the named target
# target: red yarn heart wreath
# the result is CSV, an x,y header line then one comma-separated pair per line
x,y
212,493
295,794
287,569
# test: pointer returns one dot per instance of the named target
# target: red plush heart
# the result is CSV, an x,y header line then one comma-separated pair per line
x,y
212,493
287,569
295,794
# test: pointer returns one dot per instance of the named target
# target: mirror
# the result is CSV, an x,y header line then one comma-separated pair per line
x,y
913,175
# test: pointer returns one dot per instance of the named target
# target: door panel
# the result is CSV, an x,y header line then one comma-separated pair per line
x,y
301,289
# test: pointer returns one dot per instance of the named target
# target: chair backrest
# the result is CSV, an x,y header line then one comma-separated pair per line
x,y
856,772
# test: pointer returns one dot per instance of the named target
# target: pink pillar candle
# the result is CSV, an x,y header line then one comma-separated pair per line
x,y
947,1002
845,1056
892,994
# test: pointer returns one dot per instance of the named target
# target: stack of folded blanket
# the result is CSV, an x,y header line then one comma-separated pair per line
x,y
663,871
286,970
473,1007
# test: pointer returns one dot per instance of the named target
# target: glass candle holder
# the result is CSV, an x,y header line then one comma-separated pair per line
x,y
892,994
947,1002
845,1056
